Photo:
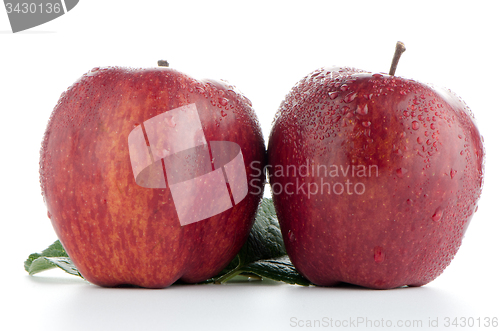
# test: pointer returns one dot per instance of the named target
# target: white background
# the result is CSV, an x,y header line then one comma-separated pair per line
x,y
263,47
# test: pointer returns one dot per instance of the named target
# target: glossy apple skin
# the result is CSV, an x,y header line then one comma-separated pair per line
x,y
400,224
115,231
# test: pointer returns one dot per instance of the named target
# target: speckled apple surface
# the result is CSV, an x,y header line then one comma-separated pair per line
x,y
115,231
392,170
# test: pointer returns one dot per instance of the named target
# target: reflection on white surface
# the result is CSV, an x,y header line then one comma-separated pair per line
x,y
254,305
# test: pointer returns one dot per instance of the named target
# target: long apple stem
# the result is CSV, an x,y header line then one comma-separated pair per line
x,y
400,48
162,63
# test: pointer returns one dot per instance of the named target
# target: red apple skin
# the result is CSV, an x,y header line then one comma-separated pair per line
x,y
400,227
115,231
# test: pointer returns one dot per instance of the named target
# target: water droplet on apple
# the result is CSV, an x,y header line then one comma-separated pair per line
x,y
49,215
438,214
401,172
223,101
398,151
223,113
350,97
415,125
333,95
377,76
169,120
453,173
200,89
362,110
366,124
247,101
409,201
344,87
291,236
378,254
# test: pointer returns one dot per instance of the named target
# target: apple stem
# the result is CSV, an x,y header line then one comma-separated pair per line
x,y
228,276
162,63
400,48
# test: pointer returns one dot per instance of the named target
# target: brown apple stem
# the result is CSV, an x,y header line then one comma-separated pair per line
x,y
162,63
400,48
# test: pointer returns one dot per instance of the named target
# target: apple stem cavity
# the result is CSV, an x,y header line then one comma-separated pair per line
x,y
400,48
163,63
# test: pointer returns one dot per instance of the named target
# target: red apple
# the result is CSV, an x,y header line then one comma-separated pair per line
x,y
144,173
375,178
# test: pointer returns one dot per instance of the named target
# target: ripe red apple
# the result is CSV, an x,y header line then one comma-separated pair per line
x,y
144,173
375,178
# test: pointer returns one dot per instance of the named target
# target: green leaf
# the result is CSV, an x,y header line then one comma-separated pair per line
x,y
53,257
279,269
44,263
54,250
264,253
265,240
38,264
